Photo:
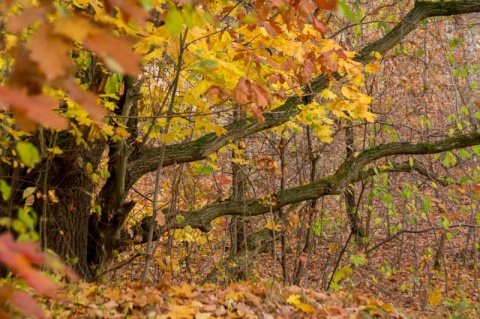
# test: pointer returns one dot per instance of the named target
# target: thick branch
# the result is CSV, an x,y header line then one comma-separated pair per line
x,y
351,171
201,148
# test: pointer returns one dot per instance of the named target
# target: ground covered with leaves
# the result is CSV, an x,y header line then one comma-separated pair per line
x,y
244,300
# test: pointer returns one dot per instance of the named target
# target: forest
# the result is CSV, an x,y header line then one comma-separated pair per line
x,y
239,159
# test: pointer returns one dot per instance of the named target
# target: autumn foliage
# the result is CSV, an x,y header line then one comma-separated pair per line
x,y
316,143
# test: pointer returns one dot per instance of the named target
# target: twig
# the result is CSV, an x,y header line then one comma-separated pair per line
x,y
119,265
426,230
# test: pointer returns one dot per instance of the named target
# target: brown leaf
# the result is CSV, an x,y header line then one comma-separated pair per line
x,y
160,219
115,52
241,92
51,52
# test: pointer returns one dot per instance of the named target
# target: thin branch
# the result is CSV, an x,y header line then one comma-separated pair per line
x,y
421,231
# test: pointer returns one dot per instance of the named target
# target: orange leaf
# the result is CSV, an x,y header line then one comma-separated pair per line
x,y
327,5
241,92
30,109
115,52
26,18
51,52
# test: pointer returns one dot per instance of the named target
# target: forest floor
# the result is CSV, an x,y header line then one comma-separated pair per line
x,y
414,288
245,300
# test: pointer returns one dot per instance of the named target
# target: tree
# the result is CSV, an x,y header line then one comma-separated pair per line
x,y
203,63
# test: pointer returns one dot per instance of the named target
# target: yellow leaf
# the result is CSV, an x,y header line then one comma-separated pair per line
x,y
122,132
358,80
435,297
183,292
234,295
271,226
305,308
169,137
182,312
342,273
333,247
327,94
293,299
55,150
372,67
376,55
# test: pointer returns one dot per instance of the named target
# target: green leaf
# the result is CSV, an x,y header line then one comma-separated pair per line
x,y
386,199
344,11
174,22
179,219
5,189
343,273
357,260
146,4
205,170
28,191
28,153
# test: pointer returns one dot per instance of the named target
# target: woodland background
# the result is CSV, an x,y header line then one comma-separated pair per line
x,y
240,159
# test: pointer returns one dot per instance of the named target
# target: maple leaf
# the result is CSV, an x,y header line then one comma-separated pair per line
x,y
20,257
241,92
22,301
30,109
372,67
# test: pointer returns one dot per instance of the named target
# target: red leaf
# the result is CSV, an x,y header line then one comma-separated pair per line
x,y
327,5
29,109
20,257
27,304
320,26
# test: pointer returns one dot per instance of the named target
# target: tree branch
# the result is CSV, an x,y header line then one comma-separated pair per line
x,y
349,172
407,167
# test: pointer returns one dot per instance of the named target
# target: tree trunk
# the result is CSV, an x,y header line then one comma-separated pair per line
x,y
66,222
